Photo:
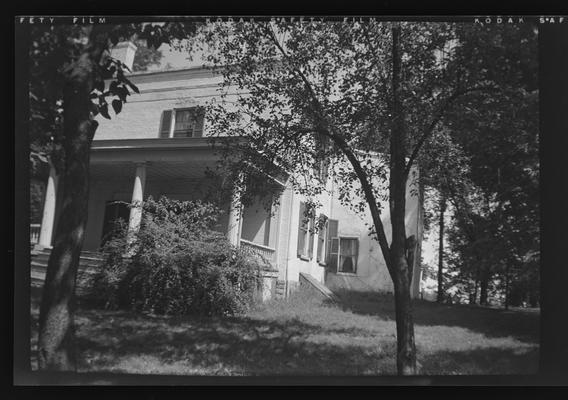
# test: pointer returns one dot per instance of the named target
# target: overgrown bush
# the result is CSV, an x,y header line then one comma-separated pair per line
x,y
175,264
104,286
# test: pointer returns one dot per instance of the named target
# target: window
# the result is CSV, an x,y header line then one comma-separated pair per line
x,y
348,254
187,122
342,252
305,233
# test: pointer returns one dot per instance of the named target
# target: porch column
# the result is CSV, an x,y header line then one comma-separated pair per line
x,y
48,217
235,217
137,197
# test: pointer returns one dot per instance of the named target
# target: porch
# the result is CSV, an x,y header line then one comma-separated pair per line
x,y
124,172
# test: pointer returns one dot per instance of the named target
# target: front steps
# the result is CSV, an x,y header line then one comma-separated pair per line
x,y
280,289
310,284
89,261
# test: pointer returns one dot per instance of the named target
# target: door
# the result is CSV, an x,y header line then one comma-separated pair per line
x,y
114,211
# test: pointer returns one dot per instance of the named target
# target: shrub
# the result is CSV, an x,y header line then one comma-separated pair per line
x,y
103,287
177,264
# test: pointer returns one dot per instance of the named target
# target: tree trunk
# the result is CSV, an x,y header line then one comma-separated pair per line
x,y
418,256
507,287
533,298
56,329
483,290
440,298
406,348
474,298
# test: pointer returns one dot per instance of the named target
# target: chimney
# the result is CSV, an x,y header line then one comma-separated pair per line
x,y
124,52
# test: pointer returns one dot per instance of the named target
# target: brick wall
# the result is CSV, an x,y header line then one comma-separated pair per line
x,y
141,115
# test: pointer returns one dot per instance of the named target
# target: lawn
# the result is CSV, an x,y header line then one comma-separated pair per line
x,y
305,336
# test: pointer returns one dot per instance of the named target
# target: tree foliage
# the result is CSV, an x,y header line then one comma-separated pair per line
x,y
69,66
494,189
309,94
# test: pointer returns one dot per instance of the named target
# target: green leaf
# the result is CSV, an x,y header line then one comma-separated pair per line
x,y
117,106
122,92
100,85
125,66
113,87
104,111
94,109
132,85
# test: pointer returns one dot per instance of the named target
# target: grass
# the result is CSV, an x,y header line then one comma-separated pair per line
x,y
304,336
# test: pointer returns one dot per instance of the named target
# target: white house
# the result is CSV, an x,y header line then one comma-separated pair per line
x,y
158,145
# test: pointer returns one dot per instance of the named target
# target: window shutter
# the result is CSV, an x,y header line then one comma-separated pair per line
x,y
321,242
166,123
301,233
333,255
332,245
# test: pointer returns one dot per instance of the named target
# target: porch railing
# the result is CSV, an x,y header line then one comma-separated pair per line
x,y
34,233
265,252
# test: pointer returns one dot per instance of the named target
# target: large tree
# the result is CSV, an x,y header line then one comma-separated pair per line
x,y
69,66
314,93
444,169
497,223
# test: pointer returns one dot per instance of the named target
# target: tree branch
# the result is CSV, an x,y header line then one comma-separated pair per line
x,y
442,110
344,146
368,190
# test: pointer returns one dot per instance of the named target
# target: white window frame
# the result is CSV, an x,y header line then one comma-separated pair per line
x,y
173,120
355,267
309,236
174,114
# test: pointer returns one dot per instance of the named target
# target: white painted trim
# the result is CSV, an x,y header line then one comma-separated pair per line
x,y
339,254
258,245
172,123
155,143
150,144
177,88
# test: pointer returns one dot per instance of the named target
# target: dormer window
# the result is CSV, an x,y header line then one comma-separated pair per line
x,y
182,122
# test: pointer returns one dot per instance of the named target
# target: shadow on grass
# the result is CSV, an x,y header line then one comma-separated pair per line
x,y
485,361
297,337
265,343
222,346
491,322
